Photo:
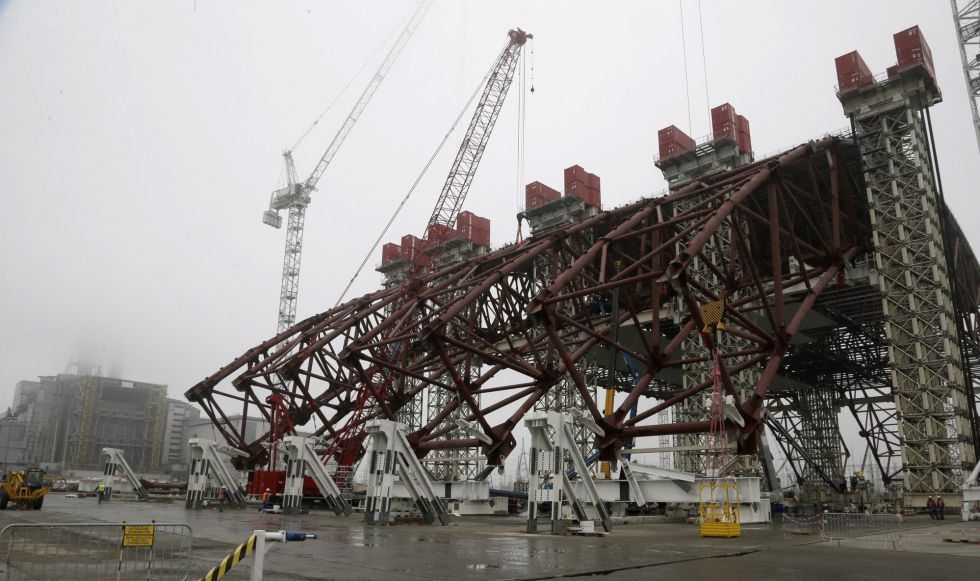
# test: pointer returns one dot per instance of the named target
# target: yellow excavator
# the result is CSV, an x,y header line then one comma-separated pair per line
x,y
23,487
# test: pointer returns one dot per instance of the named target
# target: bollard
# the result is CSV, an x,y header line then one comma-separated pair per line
x,y
281,537
254,545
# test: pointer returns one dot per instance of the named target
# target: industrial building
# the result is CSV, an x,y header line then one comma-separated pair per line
x,y
62,422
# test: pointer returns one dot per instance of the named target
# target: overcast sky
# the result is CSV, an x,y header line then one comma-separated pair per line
x,y
139,142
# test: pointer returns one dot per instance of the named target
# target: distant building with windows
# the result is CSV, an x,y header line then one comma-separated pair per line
x,y
62,423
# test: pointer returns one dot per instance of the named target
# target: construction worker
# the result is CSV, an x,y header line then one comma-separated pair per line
x,y
222,495
941,508
100,491
931,505
266,500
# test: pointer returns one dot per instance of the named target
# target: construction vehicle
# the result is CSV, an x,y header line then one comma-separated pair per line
x,y
24,487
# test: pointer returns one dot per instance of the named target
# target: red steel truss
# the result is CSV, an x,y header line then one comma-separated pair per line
x,y
510,324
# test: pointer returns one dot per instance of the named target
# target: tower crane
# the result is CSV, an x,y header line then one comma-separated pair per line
x,y
966,17
457,185
477,134
296,195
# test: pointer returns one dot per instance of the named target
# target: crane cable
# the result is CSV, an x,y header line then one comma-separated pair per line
x,y
704,63
522,136
687,84
383,44
418,179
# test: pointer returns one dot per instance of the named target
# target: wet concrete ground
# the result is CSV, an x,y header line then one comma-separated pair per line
x,y
496,548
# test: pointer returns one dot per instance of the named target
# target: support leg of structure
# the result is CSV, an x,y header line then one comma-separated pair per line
x,y
303,460
392,454
548,478
116,462
206,463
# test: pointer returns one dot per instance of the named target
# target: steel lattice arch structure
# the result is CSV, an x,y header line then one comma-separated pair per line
x,y
798,221
844,281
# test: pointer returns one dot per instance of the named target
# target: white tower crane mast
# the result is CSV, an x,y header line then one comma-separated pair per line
x,y
297,195
966,16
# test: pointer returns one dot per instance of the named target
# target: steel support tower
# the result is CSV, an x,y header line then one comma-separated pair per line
x,y
927,373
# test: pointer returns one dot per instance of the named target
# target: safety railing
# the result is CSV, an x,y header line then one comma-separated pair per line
x,y
96,551
866,528
798,525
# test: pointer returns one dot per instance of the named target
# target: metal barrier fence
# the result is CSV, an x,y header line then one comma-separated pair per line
x,y
801,525
97,551
875,528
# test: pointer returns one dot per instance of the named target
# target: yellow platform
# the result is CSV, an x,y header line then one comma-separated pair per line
x,y
718,510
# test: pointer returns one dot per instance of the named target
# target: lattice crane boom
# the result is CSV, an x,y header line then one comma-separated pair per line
x,y
296,196
966,17
478,133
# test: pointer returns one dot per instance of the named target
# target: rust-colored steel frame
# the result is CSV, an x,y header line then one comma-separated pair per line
x,y
515,333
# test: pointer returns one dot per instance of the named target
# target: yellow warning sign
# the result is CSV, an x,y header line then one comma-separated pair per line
x,y
138,535
712,313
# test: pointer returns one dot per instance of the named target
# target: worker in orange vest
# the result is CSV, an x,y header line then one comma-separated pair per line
x,y
266,499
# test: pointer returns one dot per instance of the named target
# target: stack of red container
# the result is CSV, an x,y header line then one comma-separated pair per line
x,y
413,250
727,124
474,228
390,252
438,234
723,122
743,137
673,142
852,73
584,185
537,194
913,50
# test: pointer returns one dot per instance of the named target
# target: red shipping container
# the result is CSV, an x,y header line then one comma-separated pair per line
x,y
721,114
852,72
390,252
537,194
470,219
582,191
594,181
673,141
409,245
576,188
743,135
574,173
413,250
474,228
478,236
723,122
912,50
892,71
438,234
592,197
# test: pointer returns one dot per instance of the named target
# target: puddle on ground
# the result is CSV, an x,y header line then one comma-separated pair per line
x,y
481,566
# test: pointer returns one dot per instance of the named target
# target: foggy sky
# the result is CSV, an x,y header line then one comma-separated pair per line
x,y
139,142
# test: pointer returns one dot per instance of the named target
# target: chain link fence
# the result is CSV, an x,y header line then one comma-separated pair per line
x,y
96,551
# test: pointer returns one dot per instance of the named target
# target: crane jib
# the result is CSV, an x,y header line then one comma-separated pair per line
x,y
296,196
478,133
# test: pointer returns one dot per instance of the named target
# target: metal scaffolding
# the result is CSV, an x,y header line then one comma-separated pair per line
x,y
920,323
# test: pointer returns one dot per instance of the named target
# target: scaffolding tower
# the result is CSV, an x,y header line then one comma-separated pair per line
x,y
927,374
